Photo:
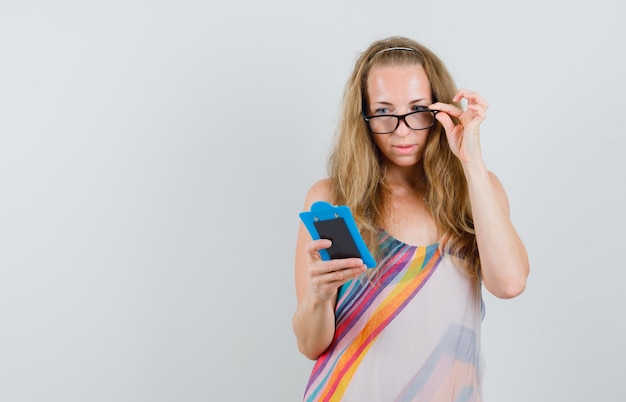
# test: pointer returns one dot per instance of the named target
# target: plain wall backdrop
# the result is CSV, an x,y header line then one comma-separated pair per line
x,y
154,156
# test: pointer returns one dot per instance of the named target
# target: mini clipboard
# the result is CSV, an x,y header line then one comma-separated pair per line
x,y
335,223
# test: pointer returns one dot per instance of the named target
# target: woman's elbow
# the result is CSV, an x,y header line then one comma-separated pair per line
x,y
509,285
507,288
308,352
311,347
510,290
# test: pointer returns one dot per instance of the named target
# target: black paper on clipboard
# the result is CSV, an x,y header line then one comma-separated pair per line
x,y
326,221
337,231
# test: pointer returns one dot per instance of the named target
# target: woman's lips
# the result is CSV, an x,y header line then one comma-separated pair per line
x,y
404,149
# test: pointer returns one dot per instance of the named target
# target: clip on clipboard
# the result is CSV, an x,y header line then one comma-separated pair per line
x,y
335,223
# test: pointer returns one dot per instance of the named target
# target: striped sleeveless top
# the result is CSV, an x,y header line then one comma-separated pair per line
x,y
411,333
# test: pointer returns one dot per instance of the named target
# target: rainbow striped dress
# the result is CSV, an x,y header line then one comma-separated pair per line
x,y
410,334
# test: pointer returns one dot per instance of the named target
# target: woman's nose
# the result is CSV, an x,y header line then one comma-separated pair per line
x,y
403,128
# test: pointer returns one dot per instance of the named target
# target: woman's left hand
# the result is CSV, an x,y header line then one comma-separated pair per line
x,y
464,136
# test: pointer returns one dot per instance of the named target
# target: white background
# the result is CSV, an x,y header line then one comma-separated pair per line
x,y
154,156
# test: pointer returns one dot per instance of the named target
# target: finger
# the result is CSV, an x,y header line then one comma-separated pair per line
x,y
313,248
346,274
445,107
460,94
341,264
477,109
320,267
330,281
446,121
464,93
471,96
317,245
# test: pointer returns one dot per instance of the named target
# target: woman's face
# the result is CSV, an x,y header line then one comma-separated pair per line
x,y
399,90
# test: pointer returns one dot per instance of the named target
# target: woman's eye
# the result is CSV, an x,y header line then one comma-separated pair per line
x,y
418,108
382,110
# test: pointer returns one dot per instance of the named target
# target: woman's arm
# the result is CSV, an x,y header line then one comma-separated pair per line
x,y
503,258
317,282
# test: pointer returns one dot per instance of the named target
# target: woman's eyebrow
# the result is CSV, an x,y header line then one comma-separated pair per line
x,y
386,103
382,102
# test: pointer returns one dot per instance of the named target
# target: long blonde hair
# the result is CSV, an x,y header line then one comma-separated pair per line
x,y
357,174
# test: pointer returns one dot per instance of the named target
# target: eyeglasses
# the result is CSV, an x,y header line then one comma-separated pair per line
x,y
418,120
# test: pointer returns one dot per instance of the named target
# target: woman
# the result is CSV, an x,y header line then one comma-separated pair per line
x,y
407,161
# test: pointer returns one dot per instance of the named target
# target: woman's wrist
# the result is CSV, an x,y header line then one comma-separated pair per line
x,y
475,168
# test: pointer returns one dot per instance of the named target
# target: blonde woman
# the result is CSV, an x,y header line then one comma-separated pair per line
x,y
407,161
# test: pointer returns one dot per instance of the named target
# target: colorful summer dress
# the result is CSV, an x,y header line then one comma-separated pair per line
x,y
412,333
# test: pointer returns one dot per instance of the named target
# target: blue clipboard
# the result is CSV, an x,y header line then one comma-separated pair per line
x,y
335,223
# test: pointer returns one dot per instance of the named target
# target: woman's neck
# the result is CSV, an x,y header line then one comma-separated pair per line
x,y
412,177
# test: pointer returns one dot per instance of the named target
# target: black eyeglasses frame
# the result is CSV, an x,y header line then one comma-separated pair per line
x,y
399,119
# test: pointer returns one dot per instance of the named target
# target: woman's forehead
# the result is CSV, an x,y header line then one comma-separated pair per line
x,y
393,81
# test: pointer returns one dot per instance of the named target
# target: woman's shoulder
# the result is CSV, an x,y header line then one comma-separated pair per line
x,y
319,191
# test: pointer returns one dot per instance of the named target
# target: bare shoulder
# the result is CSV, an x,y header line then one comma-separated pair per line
x,y
319,191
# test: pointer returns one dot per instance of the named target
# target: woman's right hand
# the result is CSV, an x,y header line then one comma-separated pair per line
x,y
317,282
325,277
